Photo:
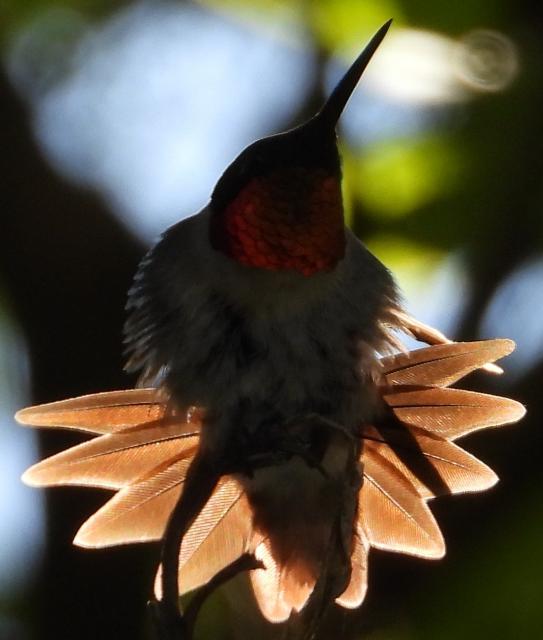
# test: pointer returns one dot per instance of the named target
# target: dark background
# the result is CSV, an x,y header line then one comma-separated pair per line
x,y
67,258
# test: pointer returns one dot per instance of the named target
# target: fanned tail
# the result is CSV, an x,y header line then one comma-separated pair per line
x,y
143,450
409,456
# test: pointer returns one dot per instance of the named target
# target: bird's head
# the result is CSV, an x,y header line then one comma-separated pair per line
x,y
278,205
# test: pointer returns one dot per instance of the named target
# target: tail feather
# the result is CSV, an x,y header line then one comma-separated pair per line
x,y
443,364
393,515
451,413
220,535
137,513
143,450
354,594
433,466
278,588
140,512
99,412
117,460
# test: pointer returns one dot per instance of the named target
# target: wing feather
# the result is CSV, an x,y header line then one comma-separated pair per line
x,y
144,451
277,588
137,513
451,413
354,594
99,412
425,333
116,460
433,465
219,536
442,365
393,515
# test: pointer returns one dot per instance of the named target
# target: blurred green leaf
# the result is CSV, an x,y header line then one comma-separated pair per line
x,y
394,179
260,14
411,262
455,17
493,593
337,23
14,13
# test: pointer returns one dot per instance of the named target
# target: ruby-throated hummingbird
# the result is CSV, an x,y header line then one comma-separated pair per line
x,y
262,325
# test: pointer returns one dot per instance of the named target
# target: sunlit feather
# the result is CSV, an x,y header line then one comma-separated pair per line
x,y
116,460
393,514
144,449
106,412
354,594
444,364
277,588
434,466
451,413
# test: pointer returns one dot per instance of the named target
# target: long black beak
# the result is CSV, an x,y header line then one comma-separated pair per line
x,y
333,107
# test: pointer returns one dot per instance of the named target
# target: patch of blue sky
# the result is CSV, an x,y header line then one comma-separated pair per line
x,y
514,312
160,99
21,508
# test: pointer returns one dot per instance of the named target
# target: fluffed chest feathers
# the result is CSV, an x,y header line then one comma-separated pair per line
x,y
271,366
275,344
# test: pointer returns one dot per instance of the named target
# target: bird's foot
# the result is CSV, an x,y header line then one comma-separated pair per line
x,y
306,437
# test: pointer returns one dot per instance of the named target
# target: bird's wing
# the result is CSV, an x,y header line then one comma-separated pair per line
x,y
425,333
159,300
276,588
409,457
98,413
443,364
143,450
139,435
354,594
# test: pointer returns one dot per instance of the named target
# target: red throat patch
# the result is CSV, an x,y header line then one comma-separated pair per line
x,y
289,219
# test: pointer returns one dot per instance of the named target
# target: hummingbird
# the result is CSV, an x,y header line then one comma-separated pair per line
x,y
279,417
